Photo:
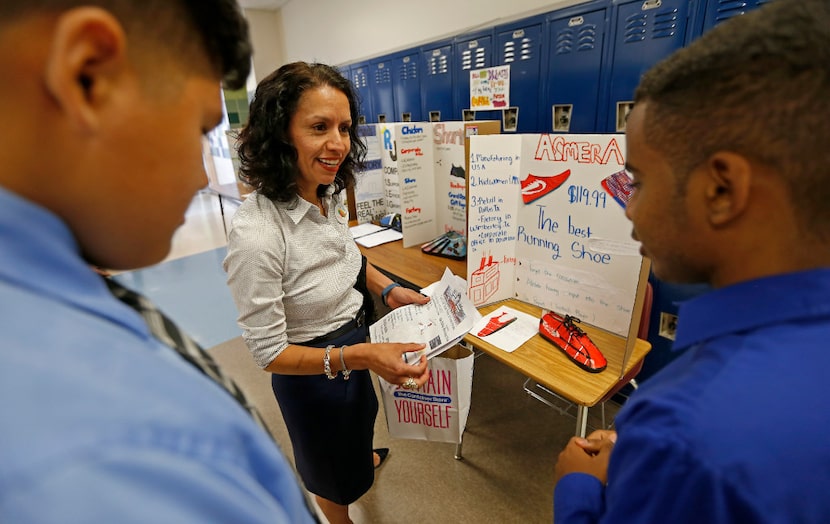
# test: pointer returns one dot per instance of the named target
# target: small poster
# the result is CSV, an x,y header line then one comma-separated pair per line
x,y
450,176
490,88
389,165
414,155
370,201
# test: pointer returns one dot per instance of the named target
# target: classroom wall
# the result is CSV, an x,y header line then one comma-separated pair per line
x,y
326,31
267,39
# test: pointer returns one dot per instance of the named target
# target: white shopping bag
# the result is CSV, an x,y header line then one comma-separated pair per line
x,y
438,410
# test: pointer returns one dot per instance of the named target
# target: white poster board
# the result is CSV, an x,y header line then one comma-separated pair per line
x,y
543,229
450,176
417,181
370,200
389,165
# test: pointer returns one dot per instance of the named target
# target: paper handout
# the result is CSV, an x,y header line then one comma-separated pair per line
x,y
513,334
439,324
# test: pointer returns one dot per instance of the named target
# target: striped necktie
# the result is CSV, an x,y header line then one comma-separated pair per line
x,y
170,335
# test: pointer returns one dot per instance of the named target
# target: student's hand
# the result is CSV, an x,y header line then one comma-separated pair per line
x,y
595,441
402,296
589,455
387,361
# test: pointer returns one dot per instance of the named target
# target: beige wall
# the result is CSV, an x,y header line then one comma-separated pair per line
x,y
326,31
267,37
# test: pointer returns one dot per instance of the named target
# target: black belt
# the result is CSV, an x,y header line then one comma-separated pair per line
x,y
348,327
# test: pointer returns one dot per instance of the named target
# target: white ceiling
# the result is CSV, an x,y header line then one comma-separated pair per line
x,y
262,4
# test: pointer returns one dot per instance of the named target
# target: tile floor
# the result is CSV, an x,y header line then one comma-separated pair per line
x,y
510,443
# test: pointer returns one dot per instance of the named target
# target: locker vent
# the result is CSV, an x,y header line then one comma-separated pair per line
x,y
408,70
727,9
525,51
635,28
473,59
361,78
586,39
438,65
564,41
382,75
509,52
665,25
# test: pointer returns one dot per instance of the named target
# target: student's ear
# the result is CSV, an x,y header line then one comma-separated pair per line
x,y
86,57
728,180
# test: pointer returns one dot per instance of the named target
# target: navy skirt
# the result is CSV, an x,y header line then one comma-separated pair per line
x,y
331,424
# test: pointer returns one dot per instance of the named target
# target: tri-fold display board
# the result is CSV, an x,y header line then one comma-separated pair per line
x,y
418,170
547,226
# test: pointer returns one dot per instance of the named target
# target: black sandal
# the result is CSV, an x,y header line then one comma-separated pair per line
x,y
382,453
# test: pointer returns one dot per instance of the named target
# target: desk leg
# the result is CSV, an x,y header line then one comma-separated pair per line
x,y
581,420
458,452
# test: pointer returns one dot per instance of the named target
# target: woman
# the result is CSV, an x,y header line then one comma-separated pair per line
x,y
293,269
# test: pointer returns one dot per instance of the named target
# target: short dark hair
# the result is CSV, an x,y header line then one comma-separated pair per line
x,y
757,85
268,159
215,26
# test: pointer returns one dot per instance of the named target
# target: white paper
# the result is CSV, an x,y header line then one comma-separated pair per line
x,y
381,237
511,336
365,229
439,324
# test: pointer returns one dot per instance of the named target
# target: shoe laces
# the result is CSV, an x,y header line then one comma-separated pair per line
x,y
570,324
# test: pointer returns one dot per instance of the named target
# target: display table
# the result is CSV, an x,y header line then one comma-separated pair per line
x,y
537,359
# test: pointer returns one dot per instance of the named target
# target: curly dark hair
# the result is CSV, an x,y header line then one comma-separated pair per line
x,y
757,85
268,159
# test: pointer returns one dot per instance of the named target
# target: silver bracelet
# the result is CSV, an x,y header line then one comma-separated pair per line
x,y
327,363
346,371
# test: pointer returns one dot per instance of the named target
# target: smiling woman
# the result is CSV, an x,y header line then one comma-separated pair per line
x,y
300,282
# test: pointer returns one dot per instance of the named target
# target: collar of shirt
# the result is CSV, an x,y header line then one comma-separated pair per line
x,y
39,253
752,304
300,207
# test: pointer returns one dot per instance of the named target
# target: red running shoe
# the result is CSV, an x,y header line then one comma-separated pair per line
x,y
567,336
534,187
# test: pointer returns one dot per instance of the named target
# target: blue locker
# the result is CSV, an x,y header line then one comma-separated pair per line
x,y
406,86
383,98
645,31
360,81
716,11
472,51
521,46
437,82
576,39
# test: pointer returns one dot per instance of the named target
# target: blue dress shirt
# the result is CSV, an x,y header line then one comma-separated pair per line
x,y
101,422
734,430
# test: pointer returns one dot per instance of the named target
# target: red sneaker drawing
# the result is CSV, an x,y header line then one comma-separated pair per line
x,y
567,336
534,187
496,323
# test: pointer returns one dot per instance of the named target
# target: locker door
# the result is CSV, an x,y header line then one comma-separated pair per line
x,y
407,87
521,48
437,83
576,42
383,100
719,10
474,51
360,81
646,31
